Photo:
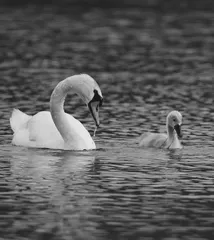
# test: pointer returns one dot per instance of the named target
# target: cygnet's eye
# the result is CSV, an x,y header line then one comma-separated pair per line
x,y
174,119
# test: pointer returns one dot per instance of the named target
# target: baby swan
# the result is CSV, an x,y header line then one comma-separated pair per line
x,y
169,140
57,129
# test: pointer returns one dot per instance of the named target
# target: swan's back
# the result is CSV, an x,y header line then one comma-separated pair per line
x,y
35,131
40,131
43,132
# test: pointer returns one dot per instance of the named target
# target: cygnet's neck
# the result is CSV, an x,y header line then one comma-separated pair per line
x,y
172,138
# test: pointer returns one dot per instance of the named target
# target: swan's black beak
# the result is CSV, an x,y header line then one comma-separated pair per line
x,y
94,109
177,128
94,105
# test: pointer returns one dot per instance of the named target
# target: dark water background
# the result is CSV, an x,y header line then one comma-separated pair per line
x,y
147,62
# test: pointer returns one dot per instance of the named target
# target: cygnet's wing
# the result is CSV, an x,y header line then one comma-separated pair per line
x,y
157,140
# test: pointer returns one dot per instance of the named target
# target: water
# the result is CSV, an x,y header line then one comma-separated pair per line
x,y
146,63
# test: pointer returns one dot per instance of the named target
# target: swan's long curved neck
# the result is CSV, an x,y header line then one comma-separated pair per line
x,y
57,110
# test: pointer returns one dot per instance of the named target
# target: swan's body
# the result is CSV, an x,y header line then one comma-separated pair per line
x,y
39,131
57,129
169,140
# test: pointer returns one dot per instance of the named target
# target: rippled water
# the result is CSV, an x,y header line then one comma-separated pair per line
x,y
146,63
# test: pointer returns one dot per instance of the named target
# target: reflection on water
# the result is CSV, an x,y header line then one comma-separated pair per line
x,y
106,194
146,65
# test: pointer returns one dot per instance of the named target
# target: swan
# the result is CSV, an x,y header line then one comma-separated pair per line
x,y
169,140
57,129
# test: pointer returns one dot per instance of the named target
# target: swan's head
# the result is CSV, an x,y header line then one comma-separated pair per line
x,y
174,120
89,91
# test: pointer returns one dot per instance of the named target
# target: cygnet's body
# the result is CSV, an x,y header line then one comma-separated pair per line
x,y
169,140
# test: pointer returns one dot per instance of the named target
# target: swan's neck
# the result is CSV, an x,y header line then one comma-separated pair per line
x,y
57,110
172,138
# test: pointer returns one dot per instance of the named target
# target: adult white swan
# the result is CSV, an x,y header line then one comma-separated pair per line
x,y
169,140
57,129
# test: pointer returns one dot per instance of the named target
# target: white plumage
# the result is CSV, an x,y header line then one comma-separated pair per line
x,y
57,129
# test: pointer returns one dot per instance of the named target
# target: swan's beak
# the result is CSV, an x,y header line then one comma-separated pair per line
x,y
94,109
177,128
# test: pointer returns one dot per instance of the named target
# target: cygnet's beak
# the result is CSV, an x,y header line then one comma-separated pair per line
x,y
94,109
177,128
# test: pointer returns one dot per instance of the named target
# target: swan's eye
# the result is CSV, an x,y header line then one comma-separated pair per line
x,y
97,98
97,108
174,119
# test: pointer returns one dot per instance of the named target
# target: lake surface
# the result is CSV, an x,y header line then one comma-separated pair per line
x,y
147,63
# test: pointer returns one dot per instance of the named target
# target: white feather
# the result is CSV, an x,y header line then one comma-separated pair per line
x,y
40,130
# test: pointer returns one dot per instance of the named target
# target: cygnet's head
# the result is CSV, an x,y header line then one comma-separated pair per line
x,y
174,120
87,88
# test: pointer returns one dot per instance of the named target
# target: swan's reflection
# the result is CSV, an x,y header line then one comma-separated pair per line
x,y
49,186
50,172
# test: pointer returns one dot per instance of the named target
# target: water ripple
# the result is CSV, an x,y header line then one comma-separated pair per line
x,y
146,64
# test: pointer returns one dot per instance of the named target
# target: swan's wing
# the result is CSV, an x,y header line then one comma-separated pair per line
x,y
153,140
43,132
35,131
19,124
19,120
40,131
